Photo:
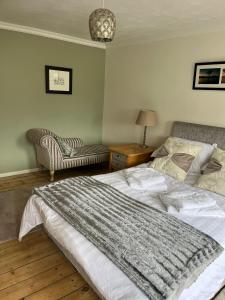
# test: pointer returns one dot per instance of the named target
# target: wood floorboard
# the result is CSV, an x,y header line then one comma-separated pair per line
x,y
14,249
34,234
37,282
42,177
29,270
24,256
36,269
59,289
84,293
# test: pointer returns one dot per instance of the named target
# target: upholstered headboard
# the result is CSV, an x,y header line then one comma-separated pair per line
x,y
200,133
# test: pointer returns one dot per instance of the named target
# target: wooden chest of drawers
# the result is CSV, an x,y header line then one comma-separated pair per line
x,y
129,155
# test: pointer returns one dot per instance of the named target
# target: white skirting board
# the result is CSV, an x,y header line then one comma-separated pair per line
x,y
19,172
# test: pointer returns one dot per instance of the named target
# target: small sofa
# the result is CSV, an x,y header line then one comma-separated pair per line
x,y
51,157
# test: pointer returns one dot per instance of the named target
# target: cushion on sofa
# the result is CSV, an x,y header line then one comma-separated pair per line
x,y
89,150
84,151
65,148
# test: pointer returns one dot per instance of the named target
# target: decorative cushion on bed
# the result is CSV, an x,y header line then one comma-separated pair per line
x,y
201,159
175,158
213,177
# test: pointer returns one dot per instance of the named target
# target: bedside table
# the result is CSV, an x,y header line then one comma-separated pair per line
x,y
128,155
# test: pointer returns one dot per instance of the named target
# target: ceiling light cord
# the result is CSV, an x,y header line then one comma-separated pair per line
x,y
103,3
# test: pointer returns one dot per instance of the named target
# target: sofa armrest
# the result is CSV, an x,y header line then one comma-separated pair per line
x,y
74,142
48,142
49,153
35,135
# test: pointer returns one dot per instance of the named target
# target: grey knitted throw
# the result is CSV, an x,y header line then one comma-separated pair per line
x,y
159,253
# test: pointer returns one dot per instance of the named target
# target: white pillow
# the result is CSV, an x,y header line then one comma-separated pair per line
x,y
201,159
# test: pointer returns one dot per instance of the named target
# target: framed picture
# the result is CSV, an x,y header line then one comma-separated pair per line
x,y
209,76
58,80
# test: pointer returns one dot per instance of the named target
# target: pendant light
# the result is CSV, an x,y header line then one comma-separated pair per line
x,y
102,25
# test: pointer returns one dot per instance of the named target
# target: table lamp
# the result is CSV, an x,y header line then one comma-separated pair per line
x,y
146,118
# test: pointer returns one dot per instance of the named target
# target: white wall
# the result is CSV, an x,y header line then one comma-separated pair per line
x,y
159,76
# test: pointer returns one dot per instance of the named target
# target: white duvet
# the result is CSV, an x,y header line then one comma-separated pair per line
x,y
108,281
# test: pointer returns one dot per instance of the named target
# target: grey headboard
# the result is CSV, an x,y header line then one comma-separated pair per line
x,y
200,133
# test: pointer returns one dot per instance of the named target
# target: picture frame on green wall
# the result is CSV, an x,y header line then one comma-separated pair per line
x,y
58,80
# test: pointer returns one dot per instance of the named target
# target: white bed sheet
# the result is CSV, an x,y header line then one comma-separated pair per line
x,y
109,282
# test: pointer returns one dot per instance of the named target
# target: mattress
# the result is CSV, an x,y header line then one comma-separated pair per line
x,y
108,281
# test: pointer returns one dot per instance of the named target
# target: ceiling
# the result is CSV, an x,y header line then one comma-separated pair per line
x,y
137,20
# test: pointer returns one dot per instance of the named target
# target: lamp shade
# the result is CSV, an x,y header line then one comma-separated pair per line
x,y
102,25
147,118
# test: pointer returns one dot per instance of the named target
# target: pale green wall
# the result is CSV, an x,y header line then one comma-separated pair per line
x,y
24,103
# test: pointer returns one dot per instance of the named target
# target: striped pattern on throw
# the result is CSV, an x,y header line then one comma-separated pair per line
x,y
159,253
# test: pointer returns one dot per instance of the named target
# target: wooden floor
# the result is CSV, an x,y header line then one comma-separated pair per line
x,y
42,177
35,269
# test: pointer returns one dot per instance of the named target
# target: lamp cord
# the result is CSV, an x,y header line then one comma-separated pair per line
x,y
103,3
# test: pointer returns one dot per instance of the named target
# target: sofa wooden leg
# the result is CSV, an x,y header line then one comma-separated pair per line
x,y
39,165
52,173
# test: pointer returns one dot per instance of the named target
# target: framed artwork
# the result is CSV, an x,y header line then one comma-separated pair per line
x,y
209,76
58,80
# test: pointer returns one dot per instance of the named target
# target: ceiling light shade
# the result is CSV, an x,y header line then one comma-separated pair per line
x,y
102,25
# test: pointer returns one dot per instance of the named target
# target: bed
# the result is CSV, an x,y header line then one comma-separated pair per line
x,y
101,273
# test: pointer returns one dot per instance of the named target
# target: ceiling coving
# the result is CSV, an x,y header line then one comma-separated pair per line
x,y
102,25
136,21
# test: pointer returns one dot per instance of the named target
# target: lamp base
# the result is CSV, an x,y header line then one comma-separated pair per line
x,y
144,146
144,137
